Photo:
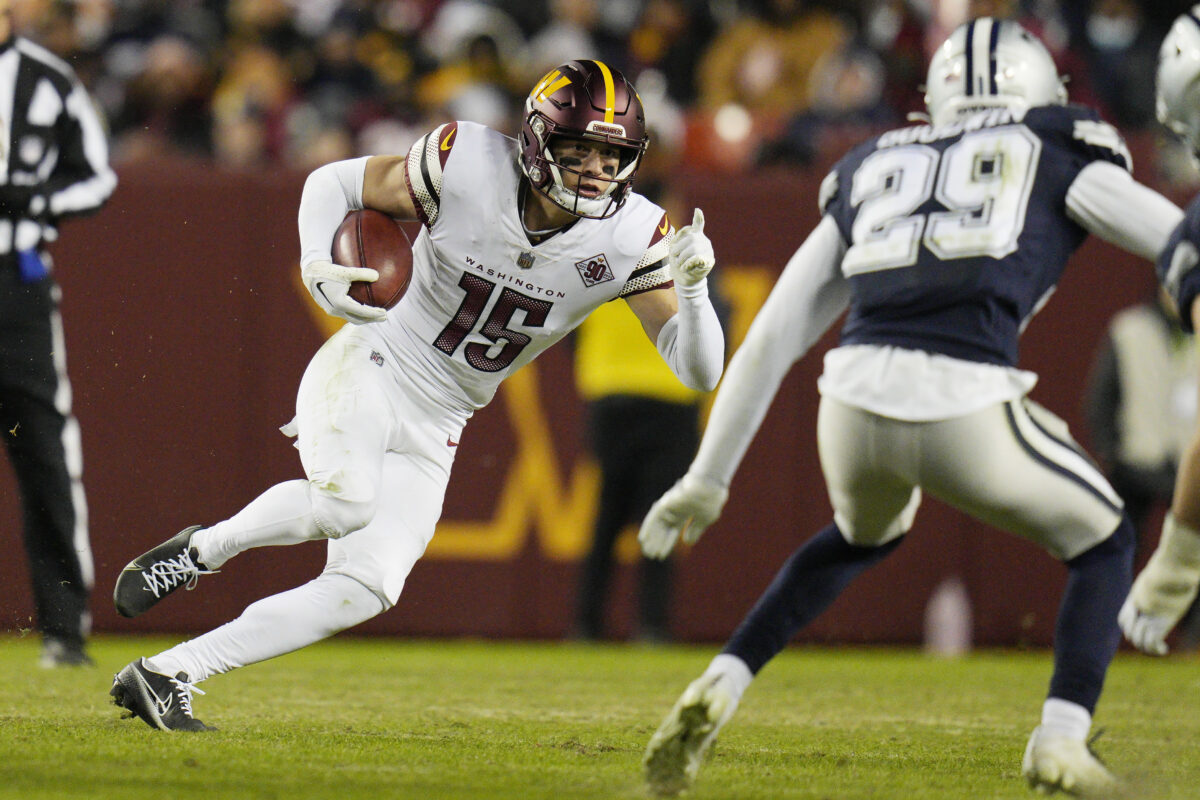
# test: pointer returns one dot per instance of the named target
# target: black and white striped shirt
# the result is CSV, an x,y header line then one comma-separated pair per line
x,y
51,140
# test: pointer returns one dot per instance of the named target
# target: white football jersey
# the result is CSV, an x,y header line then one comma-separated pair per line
x,y
483,301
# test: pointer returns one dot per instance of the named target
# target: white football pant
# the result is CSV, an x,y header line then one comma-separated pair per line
x,y
377,453
1013,465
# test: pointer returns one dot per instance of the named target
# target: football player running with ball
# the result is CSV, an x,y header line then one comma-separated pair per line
x,y
1166,588
943,240
520,241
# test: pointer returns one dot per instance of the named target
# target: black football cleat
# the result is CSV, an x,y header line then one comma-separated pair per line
x,y
155,574
162,702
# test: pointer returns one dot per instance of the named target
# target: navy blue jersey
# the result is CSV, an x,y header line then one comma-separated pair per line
x,y
956,234
1178,261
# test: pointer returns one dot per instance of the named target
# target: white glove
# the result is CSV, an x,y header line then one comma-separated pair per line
x,y
329,284
1163,591
1146,632
688,507
691,255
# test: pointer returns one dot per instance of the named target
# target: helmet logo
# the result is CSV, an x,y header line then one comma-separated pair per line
x,y
550,83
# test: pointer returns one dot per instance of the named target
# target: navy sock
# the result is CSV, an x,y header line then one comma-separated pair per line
x,y
808,582
1086,635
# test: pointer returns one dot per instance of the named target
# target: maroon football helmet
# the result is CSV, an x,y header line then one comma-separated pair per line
x,y
582,100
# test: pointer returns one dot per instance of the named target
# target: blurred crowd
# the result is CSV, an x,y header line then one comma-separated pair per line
x,y
731,83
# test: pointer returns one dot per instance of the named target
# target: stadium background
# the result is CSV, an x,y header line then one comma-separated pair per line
x,y
188,330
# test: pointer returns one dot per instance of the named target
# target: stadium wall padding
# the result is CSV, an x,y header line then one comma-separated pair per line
x,y
188,330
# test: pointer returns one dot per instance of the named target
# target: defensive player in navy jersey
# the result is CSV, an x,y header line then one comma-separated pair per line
x,y
943,240
1166,588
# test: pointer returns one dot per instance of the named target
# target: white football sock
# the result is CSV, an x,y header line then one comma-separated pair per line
x,y
280,515
1066,719
734,669
273,626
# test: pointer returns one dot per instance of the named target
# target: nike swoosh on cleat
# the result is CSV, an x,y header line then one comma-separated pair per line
x,y
161,706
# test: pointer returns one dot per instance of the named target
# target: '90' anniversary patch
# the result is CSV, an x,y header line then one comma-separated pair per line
x,y
594,270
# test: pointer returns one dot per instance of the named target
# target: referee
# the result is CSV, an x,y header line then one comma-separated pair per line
x,y
53,164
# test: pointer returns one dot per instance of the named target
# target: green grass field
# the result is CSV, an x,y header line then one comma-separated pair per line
x,y
381,718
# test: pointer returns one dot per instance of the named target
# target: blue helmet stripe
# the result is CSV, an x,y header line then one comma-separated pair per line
x,y
970,51
992,40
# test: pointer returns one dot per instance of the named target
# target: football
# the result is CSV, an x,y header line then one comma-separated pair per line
x,y
372,239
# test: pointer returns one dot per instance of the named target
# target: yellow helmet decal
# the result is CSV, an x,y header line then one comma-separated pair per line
x,y
554,80
609,98
550,83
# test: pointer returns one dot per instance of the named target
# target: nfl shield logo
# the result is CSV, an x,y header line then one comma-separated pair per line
x,y
525,260
594,270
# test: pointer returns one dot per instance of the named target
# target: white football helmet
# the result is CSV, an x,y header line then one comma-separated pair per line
x,y
990,63
1178,90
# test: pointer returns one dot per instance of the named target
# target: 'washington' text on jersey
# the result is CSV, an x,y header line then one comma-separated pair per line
x,y
515,280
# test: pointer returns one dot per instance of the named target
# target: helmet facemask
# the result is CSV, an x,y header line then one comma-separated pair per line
x,y
548,173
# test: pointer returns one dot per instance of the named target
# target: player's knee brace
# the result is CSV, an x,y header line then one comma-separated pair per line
x,y
342,503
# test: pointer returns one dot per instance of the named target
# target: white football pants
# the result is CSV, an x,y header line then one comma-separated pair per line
x,y
1013,465
377,453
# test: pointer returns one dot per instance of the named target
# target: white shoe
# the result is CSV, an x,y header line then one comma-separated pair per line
x,y
678,746
1054,762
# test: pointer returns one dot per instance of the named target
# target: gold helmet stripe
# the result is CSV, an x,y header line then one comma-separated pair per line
x,y
545,79
548,85
609,91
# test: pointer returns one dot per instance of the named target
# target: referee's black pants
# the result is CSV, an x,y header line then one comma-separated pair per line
x,y
32,425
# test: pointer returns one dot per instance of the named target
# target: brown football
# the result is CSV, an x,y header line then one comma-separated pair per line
x,y
372,239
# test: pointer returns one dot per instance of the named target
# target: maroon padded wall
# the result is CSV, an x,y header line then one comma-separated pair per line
x,y
188,331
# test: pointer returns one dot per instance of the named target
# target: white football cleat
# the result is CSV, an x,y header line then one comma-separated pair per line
x,y
1058,763
678,746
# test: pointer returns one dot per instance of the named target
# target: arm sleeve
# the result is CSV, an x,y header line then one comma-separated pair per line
x,y
330,192
1107,202
810,295
83,180
692,342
